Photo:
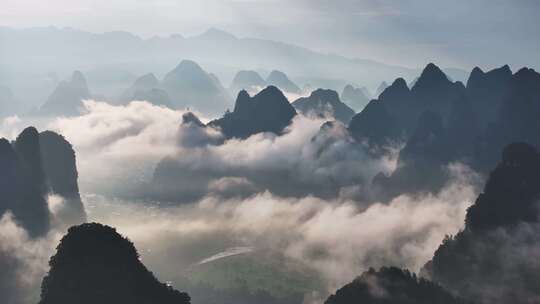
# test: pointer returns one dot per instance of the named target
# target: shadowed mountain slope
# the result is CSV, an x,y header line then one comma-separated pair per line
x,y
67,97
60,167
494,258
356,98
268,111
324,104
95,264
391,285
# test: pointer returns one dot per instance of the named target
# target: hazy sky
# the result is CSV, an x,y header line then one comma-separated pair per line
x,y
458,33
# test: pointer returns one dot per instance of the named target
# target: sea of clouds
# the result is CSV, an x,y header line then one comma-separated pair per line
x,y
301,195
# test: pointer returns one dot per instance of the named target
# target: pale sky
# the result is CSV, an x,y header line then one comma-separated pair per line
x,y
460,33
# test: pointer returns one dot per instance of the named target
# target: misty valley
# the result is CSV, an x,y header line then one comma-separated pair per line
x,y
213,169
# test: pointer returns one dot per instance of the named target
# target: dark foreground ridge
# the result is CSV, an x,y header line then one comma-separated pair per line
x,y
494,259
391,285
22,185
94,264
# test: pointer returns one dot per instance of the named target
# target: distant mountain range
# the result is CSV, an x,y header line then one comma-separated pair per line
x,y
356,98
95,264
32,58
186,86
252,82
67,98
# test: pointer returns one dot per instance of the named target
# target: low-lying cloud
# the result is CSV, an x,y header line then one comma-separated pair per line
x,y
119,147
306,160
338,239
299,196
24,261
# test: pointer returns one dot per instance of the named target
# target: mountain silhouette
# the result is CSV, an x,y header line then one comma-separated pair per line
x,y
489,90
95,264
323,104
476,122
142,84
216,34
33,166
391,285
492,259
67,98
250,81
30,207
397,90
432,92
511,193
188,85
356,98
398,100
60,168
268,111
423,162
282,81
516,120
432,77
374,125
22,185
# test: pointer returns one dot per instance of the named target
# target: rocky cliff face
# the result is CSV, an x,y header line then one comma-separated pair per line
x,y
250,81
